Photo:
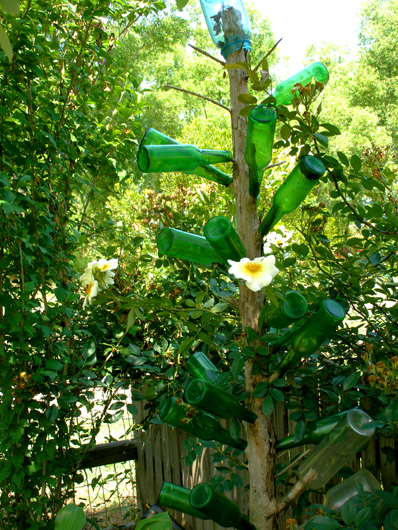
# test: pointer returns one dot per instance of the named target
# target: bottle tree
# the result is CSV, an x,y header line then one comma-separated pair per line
x,y
251,152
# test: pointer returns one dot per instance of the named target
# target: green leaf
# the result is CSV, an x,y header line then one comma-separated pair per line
x,y
268,405
277,394
70,517
53,364
285,132
181,4
299,431
218,308
261,389
5,44
348,512
375,258
131,318
391,520
186,344
331,128
356,163
235,429
52,413
343,159
160,521
132,409
246,110
247,99
237,480
323,140
322,523
351,380
363,516
10,6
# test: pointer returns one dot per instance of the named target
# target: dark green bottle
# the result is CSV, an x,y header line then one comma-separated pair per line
x,y
174,414
187,158
190,247
155,510
223,238
293,191
312,334
283,92
177,498
154,137
291,309
208,397
200,367
259,142
321,428
287,338
219,508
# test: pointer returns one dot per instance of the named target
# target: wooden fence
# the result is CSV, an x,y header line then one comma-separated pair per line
x,y
161,458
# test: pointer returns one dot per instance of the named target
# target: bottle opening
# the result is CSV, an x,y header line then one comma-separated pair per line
x,y
295,305
165,240
321,73
216,228
361,422
143,159
334,308
194,391
312,167
200,495
263,114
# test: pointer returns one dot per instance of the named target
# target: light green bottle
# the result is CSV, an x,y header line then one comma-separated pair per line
x,y
293,191
154,137
259,142
223,238
190,247
283,92
200,367
177,498
187,158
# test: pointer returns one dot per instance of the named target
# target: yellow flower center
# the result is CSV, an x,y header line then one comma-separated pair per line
x,y
88,289
253,266
104,267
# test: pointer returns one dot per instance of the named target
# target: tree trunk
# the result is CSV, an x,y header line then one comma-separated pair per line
x,y
260,435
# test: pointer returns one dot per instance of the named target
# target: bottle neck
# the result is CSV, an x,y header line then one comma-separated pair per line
x,y
215,157
274,215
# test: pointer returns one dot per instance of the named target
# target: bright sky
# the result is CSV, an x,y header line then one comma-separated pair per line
x,y
309,22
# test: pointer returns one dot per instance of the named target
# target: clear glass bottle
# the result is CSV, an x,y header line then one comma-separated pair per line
x,y
200,367
175,414
228,25
186,158
224,239
291,309
337,496
283,92
208,397
293,191
312,334
219,508
259,141
345,439
321,428
154,137
177,498
190,247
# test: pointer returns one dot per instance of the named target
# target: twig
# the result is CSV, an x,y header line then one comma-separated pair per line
x,y
293,463
199,96
207,54
268,54
274,165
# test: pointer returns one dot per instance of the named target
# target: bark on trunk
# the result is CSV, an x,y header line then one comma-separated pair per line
x,y
260,435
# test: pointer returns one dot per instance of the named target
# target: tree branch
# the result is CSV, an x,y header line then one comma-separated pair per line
x,y
207,54
268,54
199,96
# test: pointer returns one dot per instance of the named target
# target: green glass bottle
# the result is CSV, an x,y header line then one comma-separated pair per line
x,y
346,438
287,338
154,137
321,428
291,309
293,191
208,397
312,334
223,238
259,141
177,498
219,508
164,158
174,414
283,92
200,367
190,247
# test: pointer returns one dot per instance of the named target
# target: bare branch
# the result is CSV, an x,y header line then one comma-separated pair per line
x,y
277,164
207,54
294,462
199,96
268,54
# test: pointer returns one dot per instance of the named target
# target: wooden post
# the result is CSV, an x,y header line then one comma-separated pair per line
x,y
260,435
